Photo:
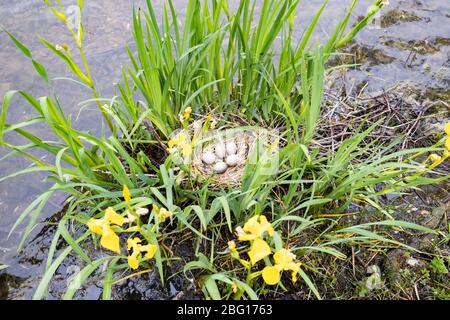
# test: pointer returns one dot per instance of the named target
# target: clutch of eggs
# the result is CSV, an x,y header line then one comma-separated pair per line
x,y
223,157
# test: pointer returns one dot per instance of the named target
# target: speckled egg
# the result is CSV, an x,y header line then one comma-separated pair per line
x,y
208,157
231,147
232,160
220,167
220,149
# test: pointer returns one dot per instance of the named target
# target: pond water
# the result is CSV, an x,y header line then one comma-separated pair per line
x,y
409,41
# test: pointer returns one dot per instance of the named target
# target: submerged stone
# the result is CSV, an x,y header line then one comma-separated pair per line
x,y
421,46
395,17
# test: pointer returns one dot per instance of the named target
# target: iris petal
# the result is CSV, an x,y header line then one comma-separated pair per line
x,y
133,243
246,237
150,249
259,250
447,128
294,267
110,240
133,261
96,225
265,225
252,225
271,275
112,216
257,225
283,257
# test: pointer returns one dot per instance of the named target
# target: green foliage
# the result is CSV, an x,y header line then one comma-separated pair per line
x,y
218,62
438,265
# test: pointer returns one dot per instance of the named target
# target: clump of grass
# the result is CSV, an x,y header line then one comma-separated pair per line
x,y
219,62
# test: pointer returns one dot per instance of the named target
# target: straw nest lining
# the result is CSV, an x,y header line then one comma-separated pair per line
x,y
231,146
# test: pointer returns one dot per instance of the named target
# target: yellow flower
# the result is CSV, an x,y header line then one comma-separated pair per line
x,y
171,144
109,238
113,217
162,213
231,245
126,194
187,113
254,228
447,128
181,140
259,250
284,260
133,261
96,225
271,275
135,244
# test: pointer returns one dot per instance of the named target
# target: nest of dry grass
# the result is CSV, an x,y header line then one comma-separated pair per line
x,y
250,141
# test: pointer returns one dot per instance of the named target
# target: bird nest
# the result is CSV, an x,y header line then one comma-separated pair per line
x,y
219,155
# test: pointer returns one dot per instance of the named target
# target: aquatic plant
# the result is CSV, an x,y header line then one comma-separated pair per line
x,y
219,62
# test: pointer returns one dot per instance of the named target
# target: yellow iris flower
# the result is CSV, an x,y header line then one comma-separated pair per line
x,y
162,213
182,141
284,260
254,228
109,239
135,244
186,114
179,139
